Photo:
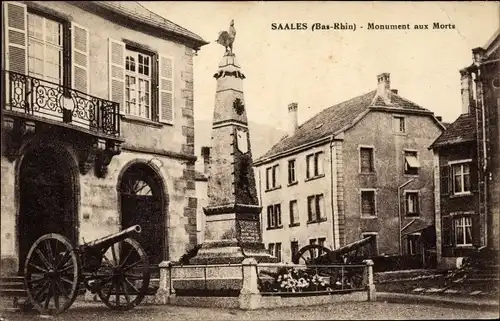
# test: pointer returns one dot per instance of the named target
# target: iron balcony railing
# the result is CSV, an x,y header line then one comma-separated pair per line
x,y
48,100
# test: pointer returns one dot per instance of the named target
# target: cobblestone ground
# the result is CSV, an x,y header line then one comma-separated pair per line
x,y
345,311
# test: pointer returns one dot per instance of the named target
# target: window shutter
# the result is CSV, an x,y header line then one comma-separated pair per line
x,y
16,38
117,72
445,179
419,202
446,231
308,160
474,177
80,58
166,90
476,230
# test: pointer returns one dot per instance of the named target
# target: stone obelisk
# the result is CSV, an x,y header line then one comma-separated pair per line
x,y
232,230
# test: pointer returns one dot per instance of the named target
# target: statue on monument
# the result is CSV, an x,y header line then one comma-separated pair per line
x,y
226,38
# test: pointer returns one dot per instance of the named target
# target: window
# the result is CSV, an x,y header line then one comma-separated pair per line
x,y
463,231
45,48
272,176
274,216
411,163
321,241
412,204
398,124
412,244
275,250
366,159
294,213
294,248
138,71
368,203
314,165
315,208
291,171
461,178
370,249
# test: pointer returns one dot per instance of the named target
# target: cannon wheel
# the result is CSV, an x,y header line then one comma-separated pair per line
x,y
124,275
308,253
51,274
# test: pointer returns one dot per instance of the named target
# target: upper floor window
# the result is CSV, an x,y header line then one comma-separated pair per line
x,y
412,203
294,213
411,163
366,159
141,81
138,85
45,48
272,176
368,203
315,208
461,181
314,165
291,171
274,216
398,124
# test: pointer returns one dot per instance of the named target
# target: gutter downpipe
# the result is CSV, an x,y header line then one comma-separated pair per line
x,y
260,202
331,192
399,215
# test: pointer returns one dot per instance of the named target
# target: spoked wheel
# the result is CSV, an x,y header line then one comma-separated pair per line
x,y
51,274
312,253
123,279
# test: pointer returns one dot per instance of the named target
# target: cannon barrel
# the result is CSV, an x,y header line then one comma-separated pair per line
x,y
105,242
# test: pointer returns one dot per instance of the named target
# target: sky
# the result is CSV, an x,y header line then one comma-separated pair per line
x,y
320,68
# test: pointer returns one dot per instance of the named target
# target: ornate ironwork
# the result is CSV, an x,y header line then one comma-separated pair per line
x,y
43,98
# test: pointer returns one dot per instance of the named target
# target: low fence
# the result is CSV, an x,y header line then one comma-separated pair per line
x,y
281,279
250,285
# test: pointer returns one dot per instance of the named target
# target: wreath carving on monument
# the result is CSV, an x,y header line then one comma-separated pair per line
x,y
238,106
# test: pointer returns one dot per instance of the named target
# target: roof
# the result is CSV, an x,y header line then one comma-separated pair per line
x,y
463,129
338,118
138,12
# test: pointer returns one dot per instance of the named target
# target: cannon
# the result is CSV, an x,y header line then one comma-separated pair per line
x,y
317,255
114,267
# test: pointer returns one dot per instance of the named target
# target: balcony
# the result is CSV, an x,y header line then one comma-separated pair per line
x,y
32,105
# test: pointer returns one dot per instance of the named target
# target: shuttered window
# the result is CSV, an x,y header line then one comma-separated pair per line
x,y
142,82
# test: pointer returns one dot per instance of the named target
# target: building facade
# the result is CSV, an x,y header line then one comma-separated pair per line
x,y
360,168
467,163
97,128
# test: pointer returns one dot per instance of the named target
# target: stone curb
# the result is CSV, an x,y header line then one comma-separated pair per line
x,y
431,299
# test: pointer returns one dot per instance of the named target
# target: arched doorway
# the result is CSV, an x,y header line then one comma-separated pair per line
x,y
46,198
141,198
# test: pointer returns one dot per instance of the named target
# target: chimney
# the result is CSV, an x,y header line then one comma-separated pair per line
x,y
384,85
205,153
466,90
293,122
478,55
394,91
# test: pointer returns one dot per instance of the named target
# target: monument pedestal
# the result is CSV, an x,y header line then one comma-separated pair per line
x,y
232,234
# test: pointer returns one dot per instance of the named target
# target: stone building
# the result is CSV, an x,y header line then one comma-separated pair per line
x,y
467,163
97,128
360,168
